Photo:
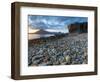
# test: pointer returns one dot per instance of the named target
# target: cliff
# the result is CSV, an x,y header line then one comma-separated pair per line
x,y
78,27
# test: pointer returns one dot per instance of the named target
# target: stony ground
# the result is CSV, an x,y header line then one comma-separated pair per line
x,y
68,50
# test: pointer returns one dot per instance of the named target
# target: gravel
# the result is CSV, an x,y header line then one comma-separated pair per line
x,y
68,50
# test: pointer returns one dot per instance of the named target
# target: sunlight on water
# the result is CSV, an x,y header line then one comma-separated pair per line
x,y
35,36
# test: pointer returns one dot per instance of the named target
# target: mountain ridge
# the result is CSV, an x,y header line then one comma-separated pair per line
x,y
41,31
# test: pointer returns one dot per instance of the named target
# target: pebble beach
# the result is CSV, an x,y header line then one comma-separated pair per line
x,y
68,50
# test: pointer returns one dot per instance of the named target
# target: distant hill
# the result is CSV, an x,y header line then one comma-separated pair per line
x,y
41,31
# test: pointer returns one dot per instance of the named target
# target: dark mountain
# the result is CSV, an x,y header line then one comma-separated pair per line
x,y
41,31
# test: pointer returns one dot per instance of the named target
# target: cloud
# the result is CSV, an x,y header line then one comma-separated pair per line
x,y
52,22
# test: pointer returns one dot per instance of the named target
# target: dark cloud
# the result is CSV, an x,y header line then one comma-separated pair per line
x,y
53,22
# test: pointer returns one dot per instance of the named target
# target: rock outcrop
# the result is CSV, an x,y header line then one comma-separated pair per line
x,y
78,28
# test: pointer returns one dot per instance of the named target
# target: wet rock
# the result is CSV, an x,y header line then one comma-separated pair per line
x,y
67,58
68,50
36,62
65,53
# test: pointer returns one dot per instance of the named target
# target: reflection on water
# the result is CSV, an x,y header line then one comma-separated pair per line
x,y
35,36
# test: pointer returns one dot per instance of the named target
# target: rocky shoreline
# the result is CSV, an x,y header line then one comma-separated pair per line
x,y
67,50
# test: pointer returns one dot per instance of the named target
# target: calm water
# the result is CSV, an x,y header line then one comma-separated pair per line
x,y
35,36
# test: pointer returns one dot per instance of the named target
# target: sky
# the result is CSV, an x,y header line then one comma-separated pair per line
x,y
53,23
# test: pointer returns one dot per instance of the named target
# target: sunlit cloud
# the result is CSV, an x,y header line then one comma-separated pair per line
x,y
53,22
30,30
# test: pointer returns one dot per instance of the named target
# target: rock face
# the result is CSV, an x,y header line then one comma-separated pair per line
x,y
78,28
